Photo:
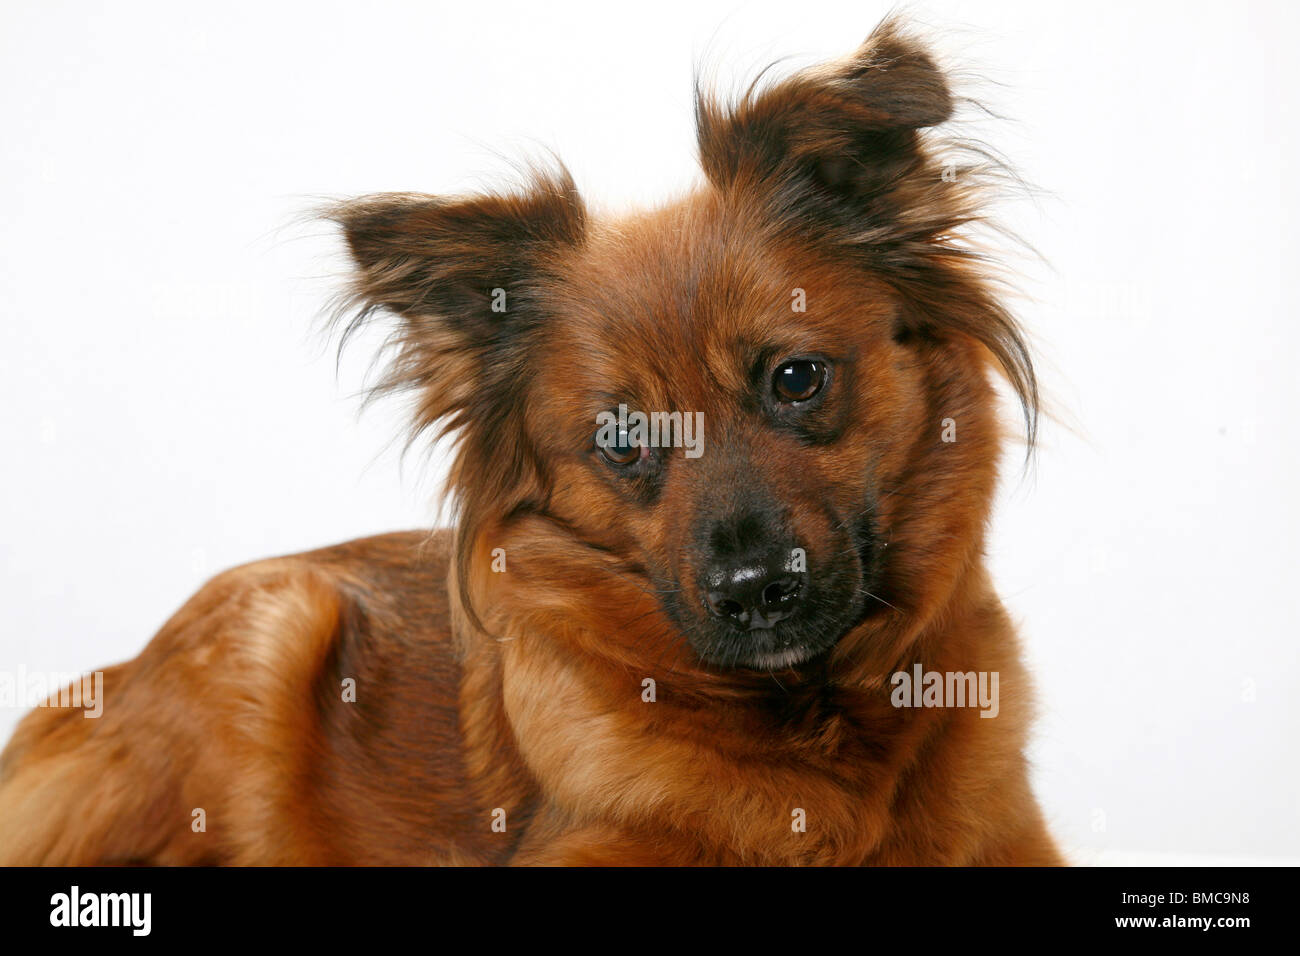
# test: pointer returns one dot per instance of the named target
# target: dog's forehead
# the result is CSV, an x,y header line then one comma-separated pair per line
x,y
703,290
674,271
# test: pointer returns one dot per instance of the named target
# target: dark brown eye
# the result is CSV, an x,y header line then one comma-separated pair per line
x,y
619,451
799,380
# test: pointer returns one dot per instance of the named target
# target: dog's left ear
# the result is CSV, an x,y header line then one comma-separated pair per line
x,y
839,140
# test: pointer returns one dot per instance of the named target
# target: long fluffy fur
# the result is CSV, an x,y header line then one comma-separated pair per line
x,y
501,717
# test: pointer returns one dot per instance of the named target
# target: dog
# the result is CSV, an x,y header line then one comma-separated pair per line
x,y
722,473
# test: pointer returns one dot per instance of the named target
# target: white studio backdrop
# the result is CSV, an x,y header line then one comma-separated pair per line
x,y
167,409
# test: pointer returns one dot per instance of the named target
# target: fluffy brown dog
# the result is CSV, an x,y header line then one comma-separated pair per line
x,y
630,650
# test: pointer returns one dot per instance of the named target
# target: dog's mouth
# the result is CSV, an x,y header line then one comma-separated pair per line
x,y
767,649
778,646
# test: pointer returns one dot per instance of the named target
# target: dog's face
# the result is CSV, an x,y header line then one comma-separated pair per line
x,y
806,350
784,399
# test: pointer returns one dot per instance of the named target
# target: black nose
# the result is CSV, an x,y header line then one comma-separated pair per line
x,y
753,595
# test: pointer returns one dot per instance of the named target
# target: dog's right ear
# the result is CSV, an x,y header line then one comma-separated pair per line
x,y
461,276
465,280
457,262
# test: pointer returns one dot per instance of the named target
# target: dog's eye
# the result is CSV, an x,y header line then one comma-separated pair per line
x,y
621,453
799,380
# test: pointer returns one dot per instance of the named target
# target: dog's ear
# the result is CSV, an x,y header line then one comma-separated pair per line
x,y
837,142
454,266
465,281
462,278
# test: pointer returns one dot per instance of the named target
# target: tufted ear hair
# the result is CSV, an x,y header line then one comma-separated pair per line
x,y
461,277
840,137
462,283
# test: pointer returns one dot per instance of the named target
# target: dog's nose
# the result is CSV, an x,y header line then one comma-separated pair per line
x,y
753,596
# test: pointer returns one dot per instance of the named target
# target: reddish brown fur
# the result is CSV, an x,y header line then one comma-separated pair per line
x,y
523,690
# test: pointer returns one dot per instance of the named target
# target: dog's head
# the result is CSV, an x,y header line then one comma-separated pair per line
x,y
766,404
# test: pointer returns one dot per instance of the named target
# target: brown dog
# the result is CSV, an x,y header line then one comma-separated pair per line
x,y
634,648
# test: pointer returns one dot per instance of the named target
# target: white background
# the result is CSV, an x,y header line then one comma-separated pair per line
x,y
166,409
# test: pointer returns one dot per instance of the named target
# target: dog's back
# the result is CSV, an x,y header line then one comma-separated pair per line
x,y
300,710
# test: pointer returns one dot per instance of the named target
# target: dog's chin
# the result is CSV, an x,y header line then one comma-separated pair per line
x,y
780,660
768,649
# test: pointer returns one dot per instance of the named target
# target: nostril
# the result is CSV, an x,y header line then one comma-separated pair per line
x,y
723,606
781,592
